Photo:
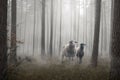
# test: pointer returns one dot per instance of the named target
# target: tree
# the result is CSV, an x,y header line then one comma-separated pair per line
x,y
43,29
60,41
71,33
3,39
51,30
74,4
96,33
13,33
34,26
115,42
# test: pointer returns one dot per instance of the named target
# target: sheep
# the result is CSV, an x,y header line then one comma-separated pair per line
x,y
69,50
80,52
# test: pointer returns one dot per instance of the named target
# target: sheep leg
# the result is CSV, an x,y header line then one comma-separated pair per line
x,y
80,60
77,60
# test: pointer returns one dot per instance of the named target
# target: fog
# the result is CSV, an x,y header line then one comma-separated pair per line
x,y
76,19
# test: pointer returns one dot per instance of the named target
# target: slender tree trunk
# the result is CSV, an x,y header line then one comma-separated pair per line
x,y
78,32
105,28
48,41
71,33
96,34
51,30
34,29
43,29
75,20
3,39
13,55
115,42
60,41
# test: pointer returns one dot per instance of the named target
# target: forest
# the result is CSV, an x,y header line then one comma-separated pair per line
x,y
59,40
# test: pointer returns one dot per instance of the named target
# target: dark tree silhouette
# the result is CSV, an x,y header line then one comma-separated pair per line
x,y
43,29
51,30
13,59
3,39
96,33
115,42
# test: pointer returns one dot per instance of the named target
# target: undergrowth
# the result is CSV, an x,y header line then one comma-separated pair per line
x,y
32,71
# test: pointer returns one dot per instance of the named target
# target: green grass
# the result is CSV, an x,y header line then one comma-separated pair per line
x,y
30,71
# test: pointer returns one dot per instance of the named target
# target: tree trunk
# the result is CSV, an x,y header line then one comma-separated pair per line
x,y
13,59
75,20
60,41
96,33
43,29
3,39
51,30
115,42
34,27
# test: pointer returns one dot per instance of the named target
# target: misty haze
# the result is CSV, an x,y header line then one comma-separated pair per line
x,y
59,40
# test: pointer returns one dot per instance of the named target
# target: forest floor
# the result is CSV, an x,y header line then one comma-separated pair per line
x,y
59,71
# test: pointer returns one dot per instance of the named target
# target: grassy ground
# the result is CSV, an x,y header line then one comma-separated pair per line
x,y
66,71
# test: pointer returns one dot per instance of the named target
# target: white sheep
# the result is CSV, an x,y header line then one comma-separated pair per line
x,y
69,50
